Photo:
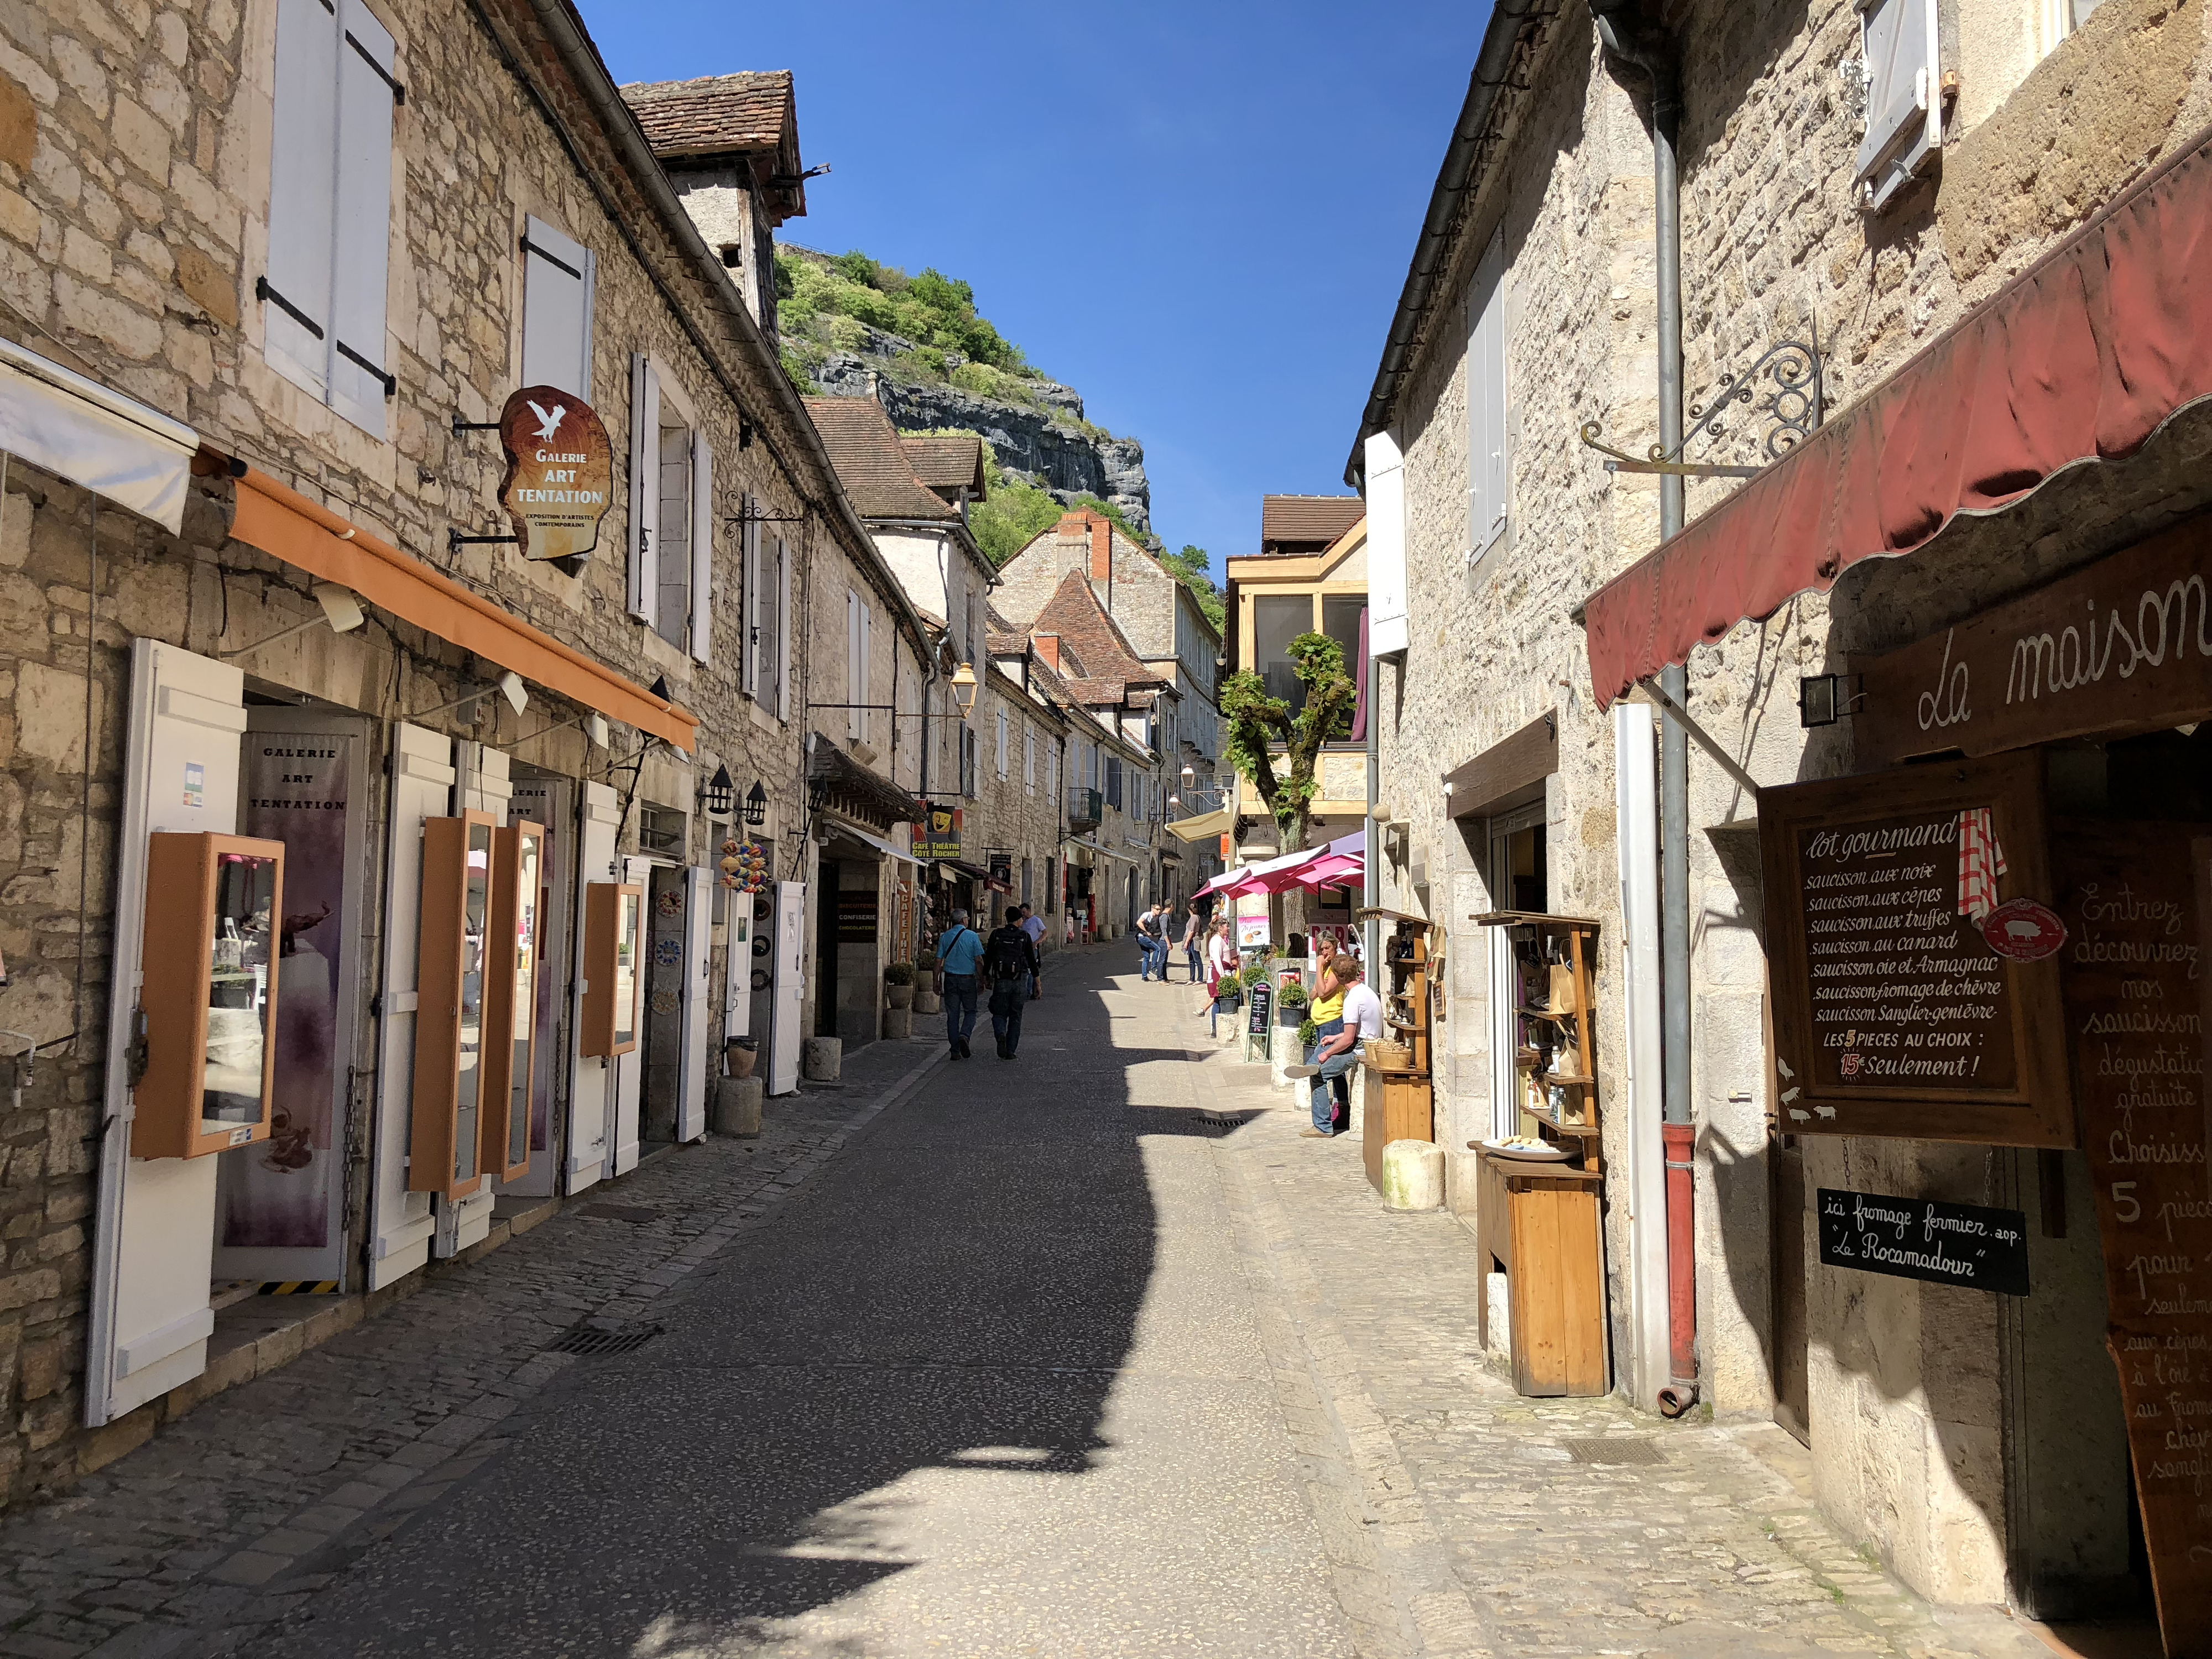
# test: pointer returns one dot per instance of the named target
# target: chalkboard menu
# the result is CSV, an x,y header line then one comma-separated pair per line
x,y
1893,1015
2136,899
1261,997
1959,1244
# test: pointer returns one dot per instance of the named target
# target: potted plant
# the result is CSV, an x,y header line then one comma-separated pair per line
x,y
1291,1004
926,999
1230,993
899,985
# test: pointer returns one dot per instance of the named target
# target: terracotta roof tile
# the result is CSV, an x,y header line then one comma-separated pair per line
x,y
1300,519
870,462
718,114
947,463
1102,650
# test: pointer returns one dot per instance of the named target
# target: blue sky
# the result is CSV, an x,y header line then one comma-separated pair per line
x,y
1199,216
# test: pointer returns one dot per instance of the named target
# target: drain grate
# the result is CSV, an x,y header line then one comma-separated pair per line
x,y
595,1340
1613,1451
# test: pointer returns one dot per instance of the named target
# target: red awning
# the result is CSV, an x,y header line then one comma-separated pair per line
x,y
2082,357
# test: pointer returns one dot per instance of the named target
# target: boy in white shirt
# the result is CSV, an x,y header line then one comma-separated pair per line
x,y
1362,1018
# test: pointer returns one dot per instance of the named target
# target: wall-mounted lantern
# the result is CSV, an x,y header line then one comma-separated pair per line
x,y
720,793
755,805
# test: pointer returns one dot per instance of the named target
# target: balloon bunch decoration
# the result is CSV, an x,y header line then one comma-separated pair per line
x,y
745,865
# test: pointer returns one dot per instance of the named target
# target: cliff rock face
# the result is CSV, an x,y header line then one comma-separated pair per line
x,y
1049,445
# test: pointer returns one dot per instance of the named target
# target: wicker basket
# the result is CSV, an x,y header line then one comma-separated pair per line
x,y
1384,1055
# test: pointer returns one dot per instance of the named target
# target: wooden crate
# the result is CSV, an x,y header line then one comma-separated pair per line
x,y
1539,1224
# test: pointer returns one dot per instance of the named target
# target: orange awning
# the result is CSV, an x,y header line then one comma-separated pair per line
x,y
286,524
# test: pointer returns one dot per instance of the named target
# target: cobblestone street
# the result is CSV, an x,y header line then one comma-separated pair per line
x,y
1090,1354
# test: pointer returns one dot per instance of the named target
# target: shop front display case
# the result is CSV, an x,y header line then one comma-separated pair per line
x,y
511,998
214,909
443,1154
1538,1210
1399,1100
614,918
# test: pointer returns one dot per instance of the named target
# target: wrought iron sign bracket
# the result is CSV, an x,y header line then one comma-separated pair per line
x,y
455,541
1784,387
461,426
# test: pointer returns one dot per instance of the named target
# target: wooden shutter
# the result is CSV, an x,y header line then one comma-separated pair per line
x,y
1903,103
1486,401
361,378
644,487
749,648
303,172
1387,628
558,277
702,546
783,635
867,621
852,663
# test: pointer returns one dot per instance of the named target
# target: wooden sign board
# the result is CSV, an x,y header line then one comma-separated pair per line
x,y
2134,994
1924,1238
2120,645
938,836
1892,1014
560,472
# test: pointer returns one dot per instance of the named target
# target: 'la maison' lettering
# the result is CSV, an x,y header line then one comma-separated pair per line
x,y
2124,644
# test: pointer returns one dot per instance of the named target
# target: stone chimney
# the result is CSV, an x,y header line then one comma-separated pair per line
x,y
1101,560
1047,649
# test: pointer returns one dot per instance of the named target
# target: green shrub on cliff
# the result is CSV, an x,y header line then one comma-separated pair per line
x,y
933,310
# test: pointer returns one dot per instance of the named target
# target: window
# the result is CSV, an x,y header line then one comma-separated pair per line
x,y
1026,882
968,761
1051,889
859,624
329,207
1029,758
671,559
1277,619
1486,402
1113,781
557,279
1903,97
1002,745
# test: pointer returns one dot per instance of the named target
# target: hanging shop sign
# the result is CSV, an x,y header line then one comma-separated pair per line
x,y
1959,1244
2124,644
937,834
1892,1014
560,472
1001,867
2137,903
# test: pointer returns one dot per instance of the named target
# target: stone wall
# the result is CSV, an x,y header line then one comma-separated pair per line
x,y
133,183
1028,823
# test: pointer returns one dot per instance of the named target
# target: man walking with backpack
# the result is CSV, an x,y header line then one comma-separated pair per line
x,y
1012,965
959,958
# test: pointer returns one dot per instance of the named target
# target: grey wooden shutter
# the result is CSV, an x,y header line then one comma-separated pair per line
x,y
782,630
1486,401
1903,108
749,545
558,276
644,487
367,87
702,546
303,187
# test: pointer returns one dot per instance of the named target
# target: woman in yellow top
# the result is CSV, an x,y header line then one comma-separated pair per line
x,y
1327,1013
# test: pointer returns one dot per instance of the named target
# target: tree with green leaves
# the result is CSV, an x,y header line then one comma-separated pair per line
x,y
1258,721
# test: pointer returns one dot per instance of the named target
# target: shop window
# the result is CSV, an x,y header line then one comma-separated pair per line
x,y
1486,402
329,207
671,512
558,275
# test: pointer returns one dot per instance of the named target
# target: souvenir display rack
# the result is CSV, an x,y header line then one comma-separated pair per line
x,y
1553,958
1399,1100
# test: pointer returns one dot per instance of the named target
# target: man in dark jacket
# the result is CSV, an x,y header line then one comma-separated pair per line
x,y
1010,967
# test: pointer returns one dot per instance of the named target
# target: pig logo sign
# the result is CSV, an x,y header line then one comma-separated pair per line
x,y
2024,931
560,472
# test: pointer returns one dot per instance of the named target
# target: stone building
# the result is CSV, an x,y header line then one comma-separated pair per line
x,y
1910,197
1164,627
269,278
1027,718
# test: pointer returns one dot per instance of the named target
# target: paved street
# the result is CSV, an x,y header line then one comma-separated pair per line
x,y
1086,1355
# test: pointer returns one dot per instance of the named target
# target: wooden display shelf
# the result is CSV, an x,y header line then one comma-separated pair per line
x,y
1400,1103
1538,1224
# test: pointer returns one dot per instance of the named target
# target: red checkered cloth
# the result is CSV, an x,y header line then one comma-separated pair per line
x,y
1981,862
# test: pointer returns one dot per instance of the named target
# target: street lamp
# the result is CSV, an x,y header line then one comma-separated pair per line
x,y
964,687
720,790
756,805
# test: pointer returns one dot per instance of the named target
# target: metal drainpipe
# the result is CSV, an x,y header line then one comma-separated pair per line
x,y
1629,35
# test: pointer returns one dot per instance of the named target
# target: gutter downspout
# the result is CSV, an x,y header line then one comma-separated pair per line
x,y
1630,36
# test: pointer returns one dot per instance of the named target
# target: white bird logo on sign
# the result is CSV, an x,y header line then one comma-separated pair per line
x,y
551,423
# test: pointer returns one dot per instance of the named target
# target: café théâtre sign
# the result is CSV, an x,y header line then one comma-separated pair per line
x,y
2124,644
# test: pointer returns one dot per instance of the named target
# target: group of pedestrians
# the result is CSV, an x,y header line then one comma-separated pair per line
x,y
1007,969
1158,936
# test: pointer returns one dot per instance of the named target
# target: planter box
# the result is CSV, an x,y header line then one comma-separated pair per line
x,y
898,996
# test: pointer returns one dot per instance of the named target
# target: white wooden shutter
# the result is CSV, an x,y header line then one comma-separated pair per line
x,y
1486,401
1387,629
1029,758
644,487
558,277
303,185
1002,745
867,623
749,663
703,546
361,353
782,630
1904,106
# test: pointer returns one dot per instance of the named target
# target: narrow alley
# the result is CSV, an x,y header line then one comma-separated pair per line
x,y
1090,1353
